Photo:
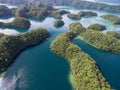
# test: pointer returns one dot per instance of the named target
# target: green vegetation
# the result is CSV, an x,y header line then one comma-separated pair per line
x,y
114,34
18,22
58,23
73,16
11,46
87,14
38,11
112,18
75,3
58,13
96,38
81,14
4,11
97,27
102,41
77,28
85,73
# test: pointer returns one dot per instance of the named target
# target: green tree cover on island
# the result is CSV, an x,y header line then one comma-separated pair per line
x,y
97,26
112,18
76,3
39,11
97,38
81,14
114,34
58,23
85,73
33,10
18,22
11,46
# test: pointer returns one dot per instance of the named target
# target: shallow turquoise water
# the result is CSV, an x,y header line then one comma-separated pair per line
x,y
37,68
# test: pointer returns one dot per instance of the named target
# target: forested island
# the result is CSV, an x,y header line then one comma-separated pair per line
x,y
18,22
81,14
97,26
97,38
11,46
34,10
59,23
112,18
75,3
114,34
84,71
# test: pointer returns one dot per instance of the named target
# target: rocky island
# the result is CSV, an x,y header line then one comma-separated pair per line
x,y
112,19
81,14
97,26
11,46
58,23
18,22
97,38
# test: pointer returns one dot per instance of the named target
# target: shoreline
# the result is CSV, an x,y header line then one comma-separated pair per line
x,y
81,38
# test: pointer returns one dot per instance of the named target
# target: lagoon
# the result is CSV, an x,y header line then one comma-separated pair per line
x,y
37,68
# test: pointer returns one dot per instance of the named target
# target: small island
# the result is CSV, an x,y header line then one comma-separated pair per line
x,y
84,71
11,46
18,22
87,14
81,14
97,27
114,34
97,39
112,18
58,13
5,11
58,23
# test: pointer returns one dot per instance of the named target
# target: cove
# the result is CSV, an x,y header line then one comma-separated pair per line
x,y
108,63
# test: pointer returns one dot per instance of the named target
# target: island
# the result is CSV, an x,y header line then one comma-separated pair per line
x,y
96,38
18,22
5,11
11,46
97,27
84,72
58,23
114,34
112,18
81,14
38,11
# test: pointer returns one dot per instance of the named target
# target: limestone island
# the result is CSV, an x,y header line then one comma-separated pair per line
x,y
112,18
18,22
11,46
84,71
5,11
58,23
38,11
97,26
81,14
96,38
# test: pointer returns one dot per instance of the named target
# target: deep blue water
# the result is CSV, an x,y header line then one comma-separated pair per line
x,y
109,63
